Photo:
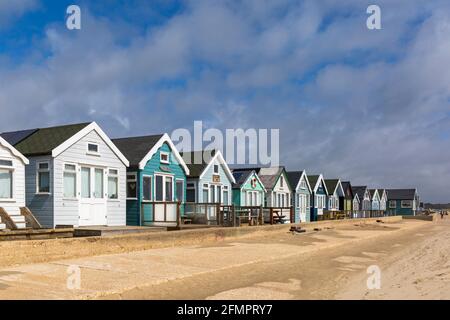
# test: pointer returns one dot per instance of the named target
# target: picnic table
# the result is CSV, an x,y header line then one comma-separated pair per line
x,y
278,218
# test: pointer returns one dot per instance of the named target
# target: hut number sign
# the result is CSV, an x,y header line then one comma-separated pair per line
x,y
216,178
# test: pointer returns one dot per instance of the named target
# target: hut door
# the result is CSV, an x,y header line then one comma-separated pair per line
x,y
93,199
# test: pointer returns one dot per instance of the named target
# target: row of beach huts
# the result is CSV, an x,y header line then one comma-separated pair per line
x,y
76,175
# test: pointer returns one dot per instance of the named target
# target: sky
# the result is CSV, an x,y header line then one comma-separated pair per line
x,y
369,106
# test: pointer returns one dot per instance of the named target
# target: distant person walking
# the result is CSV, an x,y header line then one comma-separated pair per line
x,y
442,214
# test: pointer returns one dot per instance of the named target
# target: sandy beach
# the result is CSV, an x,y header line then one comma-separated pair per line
x,y
329,264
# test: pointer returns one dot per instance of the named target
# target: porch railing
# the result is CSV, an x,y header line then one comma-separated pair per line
x,y
253,215
275,215
161,212
208,213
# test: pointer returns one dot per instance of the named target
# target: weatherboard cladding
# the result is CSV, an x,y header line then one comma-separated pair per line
x,y
135,149
66,211
293,180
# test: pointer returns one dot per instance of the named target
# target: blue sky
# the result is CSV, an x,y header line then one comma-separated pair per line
x,y
370,106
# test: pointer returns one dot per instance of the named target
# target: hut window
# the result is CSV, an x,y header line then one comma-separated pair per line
x,y
225,195
303,184
131,186
70,181
216,168
92,148
147,188
392,204
169,189
43,177
159,188
281,182
6,183
163,188
205,193
113,184
164,157
180,190
190,193
407,204
6,163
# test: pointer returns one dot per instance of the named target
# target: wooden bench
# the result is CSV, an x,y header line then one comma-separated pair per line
x,y
186,220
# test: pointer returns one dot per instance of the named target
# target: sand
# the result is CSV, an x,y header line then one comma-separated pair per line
x,y
330,264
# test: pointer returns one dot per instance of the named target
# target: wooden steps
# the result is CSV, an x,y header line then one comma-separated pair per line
x,y
22,220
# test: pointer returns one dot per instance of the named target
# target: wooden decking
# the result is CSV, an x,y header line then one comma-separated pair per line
x,y
35,234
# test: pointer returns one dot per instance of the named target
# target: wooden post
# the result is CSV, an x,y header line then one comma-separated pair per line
x,y
142,214
233,216
292,214
153,212
165,211
218,214
261,222
271,215
178,215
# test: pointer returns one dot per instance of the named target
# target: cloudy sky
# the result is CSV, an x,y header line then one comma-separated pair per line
x,y
370,106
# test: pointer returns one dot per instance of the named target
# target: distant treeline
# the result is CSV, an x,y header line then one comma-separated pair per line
x,y
437,205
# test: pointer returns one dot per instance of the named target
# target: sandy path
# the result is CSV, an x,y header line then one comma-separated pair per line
x,y
317,273
284,266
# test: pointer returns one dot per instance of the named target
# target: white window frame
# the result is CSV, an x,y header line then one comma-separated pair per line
x,y
410,206
303,184
164,176
76,179
151,187
118,183
392,204
254,195
93,153
321,201
226,189
192,186
205,186
130,180
163,153
182,189
39,170
11,169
